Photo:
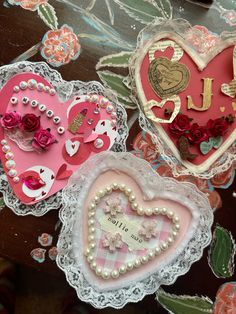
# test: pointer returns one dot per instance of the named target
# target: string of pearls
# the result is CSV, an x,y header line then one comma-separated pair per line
x,y
104,103
10,164
163,246
33,85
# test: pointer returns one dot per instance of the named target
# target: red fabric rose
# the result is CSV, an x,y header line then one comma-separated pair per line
x,y
43,139
217,127
226,299
197,134
30,123
180,125
10,120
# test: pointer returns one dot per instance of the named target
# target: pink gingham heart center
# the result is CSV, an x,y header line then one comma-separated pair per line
x,y
122,235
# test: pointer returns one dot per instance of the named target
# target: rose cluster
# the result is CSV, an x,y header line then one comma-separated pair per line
x,y
42,138
183,126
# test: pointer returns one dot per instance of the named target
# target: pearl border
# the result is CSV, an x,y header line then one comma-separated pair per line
x,y
106,274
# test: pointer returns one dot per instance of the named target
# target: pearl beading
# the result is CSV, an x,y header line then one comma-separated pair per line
x,y
10,164
33,85
104,103
163,246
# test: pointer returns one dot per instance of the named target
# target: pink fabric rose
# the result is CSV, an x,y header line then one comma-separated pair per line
x,y
60,46
31,5
43,139
10,120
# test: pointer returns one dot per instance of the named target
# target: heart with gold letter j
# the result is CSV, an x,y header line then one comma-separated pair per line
x,y
167,67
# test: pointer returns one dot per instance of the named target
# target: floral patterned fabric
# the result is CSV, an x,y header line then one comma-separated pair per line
x,y
144,148
31,5
226,299
60,46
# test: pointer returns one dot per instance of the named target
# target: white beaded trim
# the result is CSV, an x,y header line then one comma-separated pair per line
x,y
32,84
10,164
163,246
104,103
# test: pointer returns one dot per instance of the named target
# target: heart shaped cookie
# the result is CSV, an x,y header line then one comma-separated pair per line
x,y
205,96
44,140
126,230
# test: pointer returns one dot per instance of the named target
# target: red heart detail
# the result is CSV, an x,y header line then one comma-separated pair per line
x,y
219,68
63,173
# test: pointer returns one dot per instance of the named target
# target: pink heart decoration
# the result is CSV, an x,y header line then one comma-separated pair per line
x,y
75,120
130,230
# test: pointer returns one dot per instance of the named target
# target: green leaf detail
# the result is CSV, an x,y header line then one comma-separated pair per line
x,y
115,60
145,11
184,304
221,253
205,147
2,203
115,82
48,15
216,141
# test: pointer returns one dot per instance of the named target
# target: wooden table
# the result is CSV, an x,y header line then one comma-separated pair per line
x,y
21,29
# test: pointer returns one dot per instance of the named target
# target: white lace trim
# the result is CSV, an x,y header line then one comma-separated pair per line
x,y
179,27
65,90
70,258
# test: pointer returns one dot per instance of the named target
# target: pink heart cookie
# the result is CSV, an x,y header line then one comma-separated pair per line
x,y
56,140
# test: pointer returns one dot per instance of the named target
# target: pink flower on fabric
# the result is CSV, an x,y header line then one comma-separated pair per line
x,y
45,239
43,139
201,39
148,230
113,207
38,255
31,5
10,120
113,241
60,46
225,302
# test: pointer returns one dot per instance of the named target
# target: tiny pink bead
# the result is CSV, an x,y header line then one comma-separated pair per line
x,y
113,115
109,109
3,142
113,123
16,179
10,164
9,155
6,148
12,173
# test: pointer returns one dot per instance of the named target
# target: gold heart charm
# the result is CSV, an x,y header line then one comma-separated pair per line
x,y
229,89
222,109
168,78
121,231
234,106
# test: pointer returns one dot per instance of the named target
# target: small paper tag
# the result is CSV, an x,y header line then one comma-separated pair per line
x,y
128,229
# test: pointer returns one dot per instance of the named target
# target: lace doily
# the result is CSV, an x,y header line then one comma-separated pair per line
x,y
70,245
65,90
182,28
